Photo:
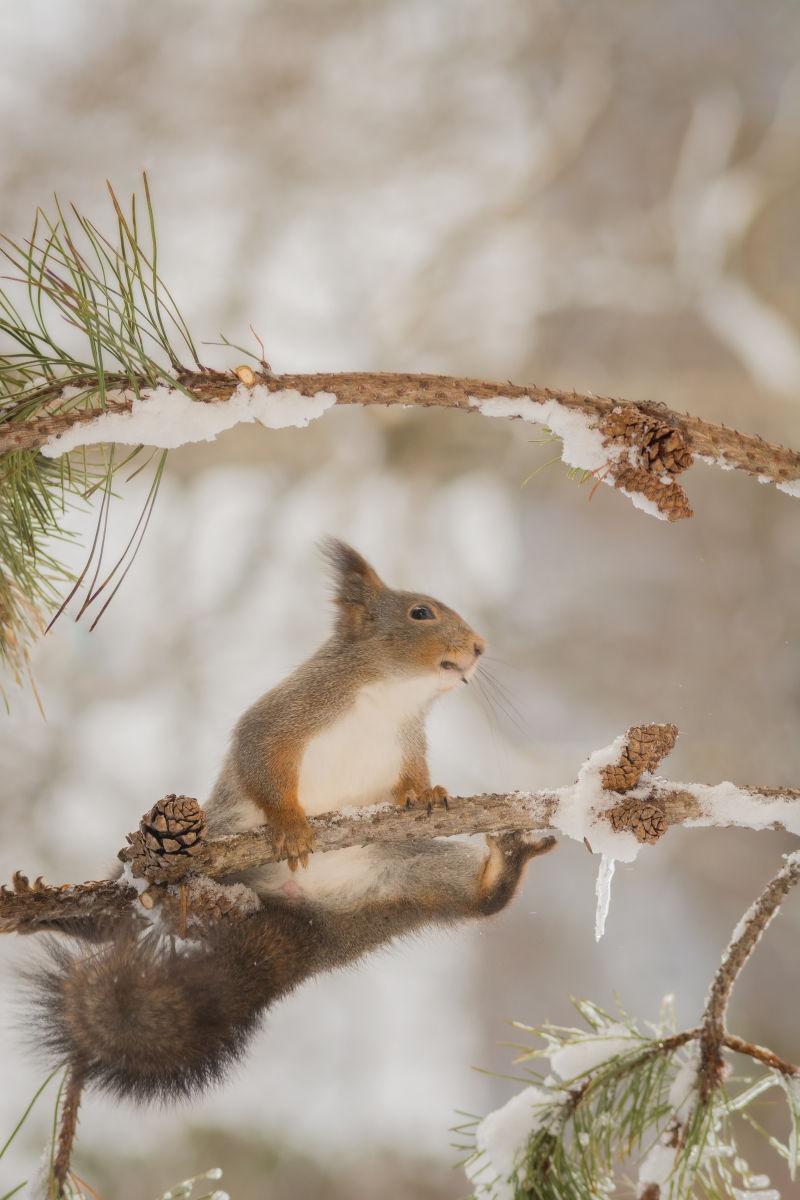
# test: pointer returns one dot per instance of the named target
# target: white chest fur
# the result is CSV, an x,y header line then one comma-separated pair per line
x,y
357,758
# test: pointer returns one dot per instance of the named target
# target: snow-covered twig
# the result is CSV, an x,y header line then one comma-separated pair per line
x,y
614,1093
760,1054
616,805
639,448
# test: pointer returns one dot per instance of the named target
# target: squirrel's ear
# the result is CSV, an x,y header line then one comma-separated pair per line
x,y
357,585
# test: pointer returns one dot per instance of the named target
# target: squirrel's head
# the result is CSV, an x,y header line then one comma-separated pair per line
x,y
411,633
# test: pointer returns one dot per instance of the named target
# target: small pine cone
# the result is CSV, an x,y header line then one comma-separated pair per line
x,y
644,820
173,830
625,424
667,451
645,746
663,448
175,825
669,498
212,901
199,903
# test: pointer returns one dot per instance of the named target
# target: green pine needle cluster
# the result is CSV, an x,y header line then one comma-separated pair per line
x,y
587,1137
81,314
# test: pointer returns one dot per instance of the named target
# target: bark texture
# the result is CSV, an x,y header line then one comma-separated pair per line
x,y
674,438
170,844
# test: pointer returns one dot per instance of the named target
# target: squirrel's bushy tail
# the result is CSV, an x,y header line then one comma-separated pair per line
x,y
142,1019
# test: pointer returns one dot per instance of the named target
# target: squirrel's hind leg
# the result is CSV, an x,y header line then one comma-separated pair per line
x,y
403,888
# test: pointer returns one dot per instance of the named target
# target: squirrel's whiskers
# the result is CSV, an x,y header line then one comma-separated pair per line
x,y
499,697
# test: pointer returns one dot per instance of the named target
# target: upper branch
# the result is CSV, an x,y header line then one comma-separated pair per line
x,y
639,448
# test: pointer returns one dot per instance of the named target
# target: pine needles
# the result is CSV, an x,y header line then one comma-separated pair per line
x,y
83,317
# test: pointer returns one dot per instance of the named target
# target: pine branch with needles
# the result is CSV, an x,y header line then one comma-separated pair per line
x,y
662,1102
94,353
82,315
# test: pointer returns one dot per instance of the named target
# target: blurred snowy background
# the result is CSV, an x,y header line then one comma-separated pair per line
x,y
597,194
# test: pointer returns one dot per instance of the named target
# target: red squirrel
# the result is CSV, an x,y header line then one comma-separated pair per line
x,y
147,1018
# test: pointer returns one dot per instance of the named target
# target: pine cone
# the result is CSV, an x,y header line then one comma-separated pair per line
x,y
173,830
645,746
669,498
212,901
198,903
646,821
662,447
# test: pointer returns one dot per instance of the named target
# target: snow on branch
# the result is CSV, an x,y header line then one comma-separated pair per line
x,y
129,373
638,448
616,806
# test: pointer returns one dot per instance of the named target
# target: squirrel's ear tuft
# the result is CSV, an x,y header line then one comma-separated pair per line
x,y
356,585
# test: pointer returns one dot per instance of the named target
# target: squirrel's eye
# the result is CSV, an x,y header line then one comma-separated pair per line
x,y
421,612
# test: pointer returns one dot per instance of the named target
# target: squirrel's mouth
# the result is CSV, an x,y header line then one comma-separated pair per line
x,y
447,664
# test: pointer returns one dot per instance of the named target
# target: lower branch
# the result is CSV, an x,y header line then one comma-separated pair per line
x,y
617,803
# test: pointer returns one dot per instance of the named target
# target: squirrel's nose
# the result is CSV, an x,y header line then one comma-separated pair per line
x,y
479,646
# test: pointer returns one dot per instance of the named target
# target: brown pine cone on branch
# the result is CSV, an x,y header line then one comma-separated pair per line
x,y
173,830
669,497
647,822
663,448
198,903
645,746
650,453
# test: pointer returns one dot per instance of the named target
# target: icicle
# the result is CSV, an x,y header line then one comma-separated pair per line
x,y
603,891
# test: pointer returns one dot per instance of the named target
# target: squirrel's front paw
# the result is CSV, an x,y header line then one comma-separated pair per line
x,y
430,798
293,839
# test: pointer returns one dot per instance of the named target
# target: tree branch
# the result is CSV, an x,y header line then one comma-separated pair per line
x,y
714,1034
639,448
67,1128
761,1054
640,810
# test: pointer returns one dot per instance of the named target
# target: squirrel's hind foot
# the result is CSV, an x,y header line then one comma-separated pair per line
x,y
520,846
505,864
